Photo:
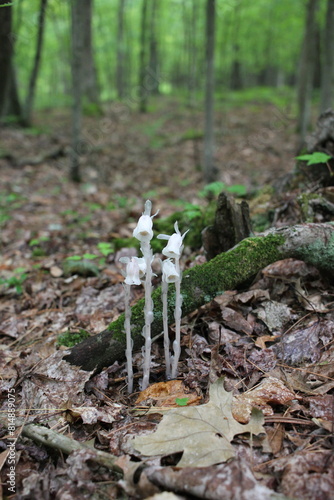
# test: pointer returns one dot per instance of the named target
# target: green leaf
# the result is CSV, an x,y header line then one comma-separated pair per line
x,y
74,257
89,256
314,158
238,189
181,401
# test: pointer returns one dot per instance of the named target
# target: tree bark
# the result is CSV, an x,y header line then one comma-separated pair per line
x,y
120,51
313,243
6,54
28,107
209,170
142,94
77,87
306,72
90,89
327,73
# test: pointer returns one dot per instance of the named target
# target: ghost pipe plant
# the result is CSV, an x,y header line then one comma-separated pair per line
x,y
169,275
135,269
144,233
173,250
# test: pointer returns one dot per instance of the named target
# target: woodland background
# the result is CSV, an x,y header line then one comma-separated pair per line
x,y
103,105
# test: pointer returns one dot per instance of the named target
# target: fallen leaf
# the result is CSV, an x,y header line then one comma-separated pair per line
x,y
56,272
166,393
231,481
270,390
204,433
274,314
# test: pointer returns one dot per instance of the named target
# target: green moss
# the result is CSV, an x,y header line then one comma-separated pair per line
x,y
305,207
69,339
320,253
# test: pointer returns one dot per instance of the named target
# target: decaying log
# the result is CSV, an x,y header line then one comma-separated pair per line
x,y
231,225
321,140
313,243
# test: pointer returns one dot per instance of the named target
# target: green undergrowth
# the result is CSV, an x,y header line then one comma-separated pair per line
x,y
70,339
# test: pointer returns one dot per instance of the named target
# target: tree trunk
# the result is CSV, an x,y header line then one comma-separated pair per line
x,y
142,94
327,74
77,83
306,72
209,170
120,51
312,243
6,54
153,61
90,90
28,107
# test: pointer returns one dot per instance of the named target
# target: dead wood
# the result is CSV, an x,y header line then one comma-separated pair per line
x,y
313,243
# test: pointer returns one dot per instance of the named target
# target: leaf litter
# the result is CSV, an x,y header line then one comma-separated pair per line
x,y
268,346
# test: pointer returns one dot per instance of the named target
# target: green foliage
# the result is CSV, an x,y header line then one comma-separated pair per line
x,y
81,266
8,202
15,281
314,158
70,339
192,134
105,248
181,401
215,188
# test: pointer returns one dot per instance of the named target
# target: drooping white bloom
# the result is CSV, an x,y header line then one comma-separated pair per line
x,y
132,272
174,247
142,266
169,272
143,231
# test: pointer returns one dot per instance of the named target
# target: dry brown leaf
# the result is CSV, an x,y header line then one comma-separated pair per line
x,y
270,390
166,393
204,433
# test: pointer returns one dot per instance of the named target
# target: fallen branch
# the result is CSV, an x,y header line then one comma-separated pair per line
x,y
48,437
313,243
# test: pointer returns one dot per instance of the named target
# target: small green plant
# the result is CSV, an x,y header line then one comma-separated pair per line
x,y
317,158
181,401
105,248
15,281
213,189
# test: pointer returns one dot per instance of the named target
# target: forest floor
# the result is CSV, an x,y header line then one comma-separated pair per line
x,y
272,341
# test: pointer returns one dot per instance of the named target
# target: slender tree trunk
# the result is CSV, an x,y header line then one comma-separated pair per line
x,y
153,61
202,283
327,73
90,90
120,51
13,105
6,54
306,72
77,83
209,170
142,94
28,106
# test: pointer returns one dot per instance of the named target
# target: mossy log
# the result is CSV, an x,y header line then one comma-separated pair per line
x,y
313,243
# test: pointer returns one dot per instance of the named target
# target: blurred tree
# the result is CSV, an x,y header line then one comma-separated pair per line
x,y
78,25
28,105
209,170
89,85
327,73
142,91
153,47
6,54
306,71
120,80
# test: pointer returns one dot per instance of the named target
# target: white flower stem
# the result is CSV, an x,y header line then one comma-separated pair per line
x,y
148,311
164,298
127,327
177,317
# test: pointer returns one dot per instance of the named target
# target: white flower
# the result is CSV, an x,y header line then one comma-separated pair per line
x,y
169,272
132,272
174,247
143,231
142,266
